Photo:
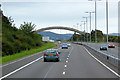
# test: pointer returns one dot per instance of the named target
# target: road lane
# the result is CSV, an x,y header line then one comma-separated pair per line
x,y
82,65
111,51
13,65
79,64
41,69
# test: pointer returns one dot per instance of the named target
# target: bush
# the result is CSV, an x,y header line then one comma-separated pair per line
x,y
16,40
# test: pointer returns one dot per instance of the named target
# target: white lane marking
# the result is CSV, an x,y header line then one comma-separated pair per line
x,y
65,66
103,63
21,68
67,58
63,73
66,61
70,51
21,59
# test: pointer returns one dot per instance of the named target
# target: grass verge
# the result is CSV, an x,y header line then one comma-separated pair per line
x,y
26,53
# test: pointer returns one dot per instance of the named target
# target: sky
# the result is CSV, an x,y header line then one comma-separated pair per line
x,y
48,13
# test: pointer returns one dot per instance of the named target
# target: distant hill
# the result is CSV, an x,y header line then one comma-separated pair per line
x,y
54,36
115,34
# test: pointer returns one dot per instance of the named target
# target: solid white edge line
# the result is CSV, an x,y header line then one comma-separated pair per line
x,y
21,68
20,59
103,63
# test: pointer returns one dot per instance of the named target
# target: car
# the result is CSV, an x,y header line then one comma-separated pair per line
x,y
111,45
59,42
64,46
103,47
57,51
68,44
51,55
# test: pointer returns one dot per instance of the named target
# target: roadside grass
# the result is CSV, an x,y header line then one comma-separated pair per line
x,y
26,53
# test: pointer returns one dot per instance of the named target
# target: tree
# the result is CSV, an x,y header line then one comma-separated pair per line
x,y
27,27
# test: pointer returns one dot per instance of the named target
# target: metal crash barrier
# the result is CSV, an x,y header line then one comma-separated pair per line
x,y
110,58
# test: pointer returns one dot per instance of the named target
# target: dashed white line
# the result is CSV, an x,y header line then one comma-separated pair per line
x,y
102,63
67,58
66,61
63,73
65,66
20,68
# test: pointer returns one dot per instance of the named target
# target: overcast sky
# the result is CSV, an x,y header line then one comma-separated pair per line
x,y
44,13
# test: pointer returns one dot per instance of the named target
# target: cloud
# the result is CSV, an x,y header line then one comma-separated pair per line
x,y
45,14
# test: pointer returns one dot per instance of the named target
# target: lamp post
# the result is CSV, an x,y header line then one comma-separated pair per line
x,y
86,27
81,30
90,23
77,29
107,18
95,18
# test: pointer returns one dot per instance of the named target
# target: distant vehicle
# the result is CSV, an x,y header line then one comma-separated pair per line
x,y
103,47
57,51
59,42
68,44
111,45
64,46
51,55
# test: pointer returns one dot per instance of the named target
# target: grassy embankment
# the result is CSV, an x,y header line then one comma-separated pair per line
x,y
26,53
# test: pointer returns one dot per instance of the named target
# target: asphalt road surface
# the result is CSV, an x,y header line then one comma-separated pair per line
x,y
111,51
75,63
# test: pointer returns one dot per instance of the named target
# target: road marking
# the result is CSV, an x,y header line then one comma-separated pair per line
x,y
67,58
21,68
65,66
63,73
20,59
103,63
66,61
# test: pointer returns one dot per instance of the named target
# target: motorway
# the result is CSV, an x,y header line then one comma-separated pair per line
x,y
110,51
75,62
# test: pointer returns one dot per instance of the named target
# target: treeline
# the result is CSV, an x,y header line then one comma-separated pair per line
x,y
100,37
15,40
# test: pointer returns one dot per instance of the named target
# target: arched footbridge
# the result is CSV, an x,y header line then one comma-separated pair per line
x,y
60,27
